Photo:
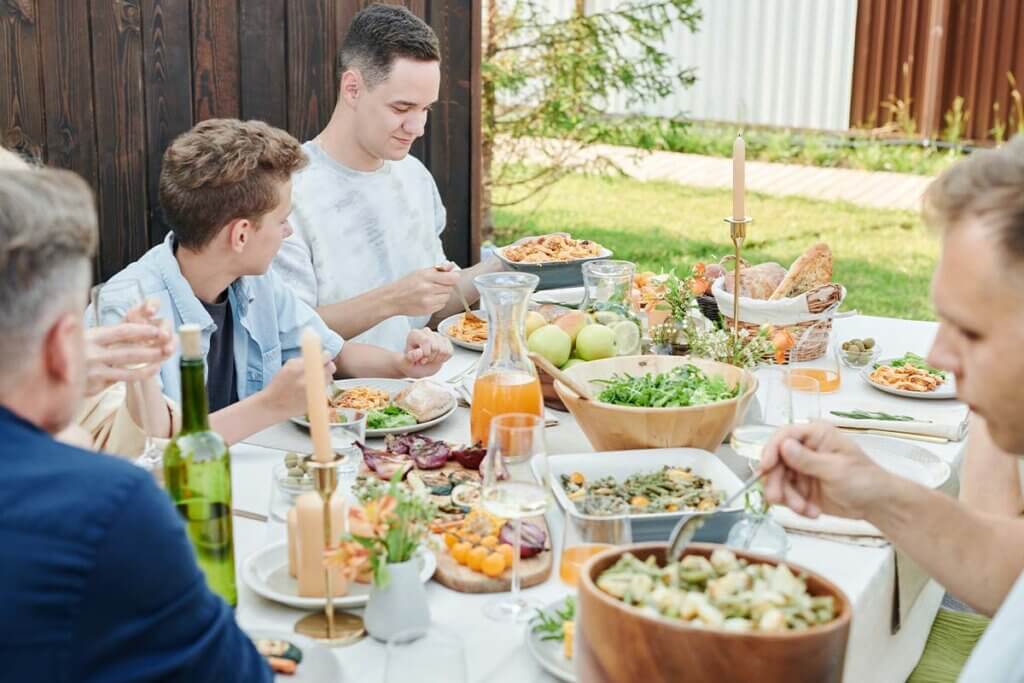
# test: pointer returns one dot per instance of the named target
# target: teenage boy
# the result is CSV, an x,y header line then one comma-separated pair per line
x,y
225,188
98,580
367,216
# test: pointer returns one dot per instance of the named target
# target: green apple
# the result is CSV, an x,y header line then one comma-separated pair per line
x,y
573,362
595,341
552,342
534,321
572,323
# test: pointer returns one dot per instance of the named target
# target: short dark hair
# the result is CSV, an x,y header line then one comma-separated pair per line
x,y
988,184
380,34
221,170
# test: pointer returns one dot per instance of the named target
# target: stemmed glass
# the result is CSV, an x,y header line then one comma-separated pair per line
x,y
599,523
509,490
110,303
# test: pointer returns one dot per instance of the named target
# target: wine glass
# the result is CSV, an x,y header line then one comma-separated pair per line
x,y
814,344
509,490
601,522
788,399
430,655
111,301
347,430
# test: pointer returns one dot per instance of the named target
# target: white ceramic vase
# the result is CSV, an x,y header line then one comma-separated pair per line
x,y
400,605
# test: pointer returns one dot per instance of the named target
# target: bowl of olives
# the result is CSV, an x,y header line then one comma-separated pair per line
x,y
859,353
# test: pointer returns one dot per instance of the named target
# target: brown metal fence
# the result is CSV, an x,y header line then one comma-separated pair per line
x,y
926,53
102,87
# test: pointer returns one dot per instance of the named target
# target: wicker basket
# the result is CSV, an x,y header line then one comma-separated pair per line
x,y
820,306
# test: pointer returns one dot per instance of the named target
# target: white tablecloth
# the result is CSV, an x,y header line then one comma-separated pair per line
x,y
496,652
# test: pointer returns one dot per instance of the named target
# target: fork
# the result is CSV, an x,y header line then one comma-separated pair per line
x,y
470,315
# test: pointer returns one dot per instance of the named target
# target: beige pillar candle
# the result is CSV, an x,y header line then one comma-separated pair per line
x,y
306,543
739,160
316,396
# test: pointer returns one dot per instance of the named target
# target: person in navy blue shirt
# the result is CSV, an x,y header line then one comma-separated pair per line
x,y
98,581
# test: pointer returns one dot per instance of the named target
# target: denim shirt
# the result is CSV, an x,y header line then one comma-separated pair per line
x,y
268,319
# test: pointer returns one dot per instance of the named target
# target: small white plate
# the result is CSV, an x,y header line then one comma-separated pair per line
x,y
549,653
898,456
392,386
944,391
448,322
266,573
318,663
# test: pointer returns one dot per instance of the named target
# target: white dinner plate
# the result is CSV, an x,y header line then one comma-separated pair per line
x,y
898,456
318,663
448,322
266,573
392,386
549,653
945,390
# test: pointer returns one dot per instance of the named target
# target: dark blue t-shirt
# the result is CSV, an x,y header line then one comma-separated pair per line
x,y
98,581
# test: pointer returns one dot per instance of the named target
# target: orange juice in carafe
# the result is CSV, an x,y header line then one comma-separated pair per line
x,y
507,380
499,393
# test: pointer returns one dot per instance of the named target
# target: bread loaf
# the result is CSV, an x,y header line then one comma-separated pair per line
x,y
811,270
756,282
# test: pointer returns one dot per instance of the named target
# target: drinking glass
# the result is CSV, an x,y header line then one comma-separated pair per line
x,y
787,399
110,302
509,490
814,342
602,523
347,431
430,655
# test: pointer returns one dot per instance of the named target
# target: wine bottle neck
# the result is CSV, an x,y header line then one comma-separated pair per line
x,y
194,406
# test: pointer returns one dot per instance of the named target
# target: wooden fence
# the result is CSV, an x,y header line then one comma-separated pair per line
x,y
950,48
101,87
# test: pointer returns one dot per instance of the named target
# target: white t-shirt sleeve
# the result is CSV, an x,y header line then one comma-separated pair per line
x,y
440,222
997,656
294,265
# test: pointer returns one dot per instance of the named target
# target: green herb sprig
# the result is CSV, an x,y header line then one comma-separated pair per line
x,y
549,626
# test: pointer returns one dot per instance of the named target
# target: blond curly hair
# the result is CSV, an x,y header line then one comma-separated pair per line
x,y
222,170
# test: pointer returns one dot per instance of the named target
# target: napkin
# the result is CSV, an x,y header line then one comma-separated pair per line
x,y
948,429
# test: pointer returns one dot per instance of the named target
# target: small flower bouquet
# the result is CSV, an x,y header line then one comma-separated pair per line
x,y
386,528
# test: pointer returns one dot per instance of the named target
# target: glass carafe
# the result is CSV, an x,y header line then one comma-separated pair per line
x,y
607,299
507,380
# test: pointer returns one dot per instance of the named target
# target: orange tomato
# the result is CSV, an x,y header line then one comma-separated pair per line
x,y
506,551
450,540
782,340
489,541
493,565
459,552
475,557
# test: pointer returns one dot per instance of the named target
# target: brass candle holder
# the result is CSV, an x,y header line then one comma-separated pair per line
x,y
327,627
738,233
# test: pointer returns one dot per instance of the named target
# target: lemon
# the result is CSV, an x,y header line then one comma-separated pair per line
x,y
607,318
627,338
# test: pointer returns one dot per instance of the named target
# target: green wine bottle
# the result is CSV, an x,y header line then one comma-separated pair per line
x,y
197,474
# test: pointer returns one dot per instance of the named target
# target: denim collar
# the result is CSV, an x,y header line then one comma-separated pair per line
x,y
190,309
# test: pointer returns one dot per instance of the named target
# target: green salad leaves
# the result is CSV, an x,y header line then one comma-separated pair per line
x,y
684,386
389,418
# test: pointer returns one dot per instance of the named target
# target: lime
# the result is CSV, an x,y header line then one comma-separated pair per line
x,y
627,338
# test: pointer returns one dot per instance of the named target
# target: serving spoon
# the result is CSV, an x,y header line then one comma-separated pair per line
x,y
690,522
577,387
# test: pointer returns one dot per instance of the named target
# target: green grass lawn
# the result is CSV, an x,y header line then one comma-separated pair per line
x,y
885,258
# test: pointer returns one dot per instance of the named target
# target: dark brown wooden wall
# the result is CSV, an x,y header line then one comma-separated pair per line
x,y
981,40
102,86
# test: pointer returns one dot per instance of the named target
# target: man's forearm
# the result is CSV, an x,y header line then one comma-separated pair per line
x,y
976,556
365,360
468,289
989,480
243,419
352,317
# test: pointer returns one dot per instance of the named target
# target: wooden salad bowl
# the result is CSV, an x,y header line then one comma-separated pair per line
x,y
614,428
618,643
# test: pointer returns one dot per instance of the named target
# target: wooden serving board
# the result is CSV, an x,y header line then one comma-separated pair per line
x,y
532,571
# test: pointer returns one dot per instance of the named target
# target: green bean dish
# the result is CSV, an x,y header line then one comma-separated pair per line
x,y
724,592
669,489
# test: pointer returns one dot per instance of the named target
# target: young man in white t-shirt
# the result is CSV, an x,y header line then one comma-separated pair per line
x,y
367,252
975,548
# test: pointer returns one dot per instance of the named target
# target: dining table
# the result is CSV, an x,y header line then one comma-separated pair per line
x,y
879,649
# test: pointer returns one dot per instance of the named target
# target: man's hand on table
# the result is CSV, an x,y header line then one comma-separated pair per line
x,y
425,353
815,469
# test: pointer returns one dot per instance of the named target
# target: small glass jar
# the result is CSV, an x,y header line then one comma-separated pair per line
x,y
608,286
